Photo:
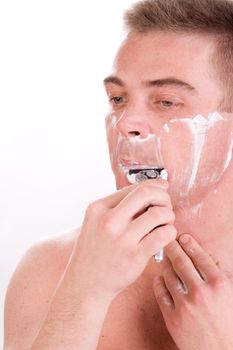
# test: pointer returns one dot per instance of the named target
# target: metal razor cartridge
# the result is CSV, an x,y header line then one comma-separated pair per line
x,y
138,175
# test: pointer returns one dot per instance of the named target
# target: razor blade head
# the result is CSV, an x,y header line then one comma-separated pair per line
x,y
138,175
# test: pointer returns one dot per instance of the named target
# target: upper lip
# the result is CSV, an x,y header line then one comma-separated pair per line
x,y
131,163
128,162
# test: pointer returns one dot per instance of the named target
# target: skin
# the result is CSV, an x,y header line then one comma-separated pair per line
x,y
199,317
95,290
139,110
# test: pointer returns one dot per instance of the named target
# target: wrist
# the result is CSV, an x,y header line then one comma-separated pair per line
x,y
83,288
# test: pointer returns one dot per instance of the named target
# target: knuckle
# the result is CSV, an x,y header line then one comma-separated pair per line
x,y
172,216
198,294
180,262
171,230
201,259
218,282
185,312
94,208
182,313
184,307
166,197
166,232
149,190
169,215
125,245
157,211
107,223
163,298
144,189
163,213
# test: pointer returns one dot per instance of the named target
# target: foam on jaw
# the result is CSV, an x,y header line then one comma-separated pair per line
x,y
229,156
202,136
199,126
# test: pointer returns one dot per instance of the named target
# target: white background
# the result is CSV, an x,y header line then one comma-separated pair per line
x,y
54,55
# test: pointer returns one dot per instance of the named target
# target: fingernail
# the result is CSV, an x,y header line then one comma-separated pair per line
x,y
184,239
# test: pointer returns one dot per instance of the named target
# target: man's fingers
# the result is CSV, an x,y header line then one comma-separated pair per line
x,y
112,200
138,200
201,259
157,239
162,295
191,263
147,222
174,285
183,265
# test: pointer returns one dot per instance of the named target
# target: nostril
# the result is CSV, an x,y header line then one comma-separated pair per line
x,y
134,133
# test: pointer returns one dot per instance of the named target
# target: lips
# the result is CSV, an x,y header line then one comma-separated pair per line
x,y
132,164
128,162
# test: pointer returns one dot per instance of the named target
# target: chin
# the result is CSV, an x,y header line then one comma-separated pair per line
x,y
120,180
120,183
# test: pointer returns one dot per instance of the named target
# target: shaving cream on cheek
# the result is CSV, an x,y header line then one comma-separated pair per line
x,y
112,137
195,152
110,121
204,149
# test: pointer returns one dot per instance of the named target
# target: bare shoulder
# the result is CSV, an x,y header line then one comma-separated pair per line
x,y
32,287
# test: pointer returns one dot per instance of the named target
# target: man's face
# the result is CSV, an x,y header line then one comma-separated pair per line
x,y
156,78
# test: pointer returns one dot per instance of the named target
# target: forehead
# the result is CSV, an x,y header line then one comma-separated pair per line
x,y
176,54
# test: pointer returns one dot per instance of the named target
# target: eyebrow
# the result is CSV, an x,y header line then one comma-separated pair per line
x,y
170,81
113,80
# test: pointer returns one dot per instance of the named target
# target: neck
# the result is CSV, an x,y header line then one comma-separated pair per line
x,y
211,222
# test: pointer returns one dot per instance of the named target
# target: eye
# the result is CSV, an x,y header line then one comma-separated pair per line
x,y
116,100
167,104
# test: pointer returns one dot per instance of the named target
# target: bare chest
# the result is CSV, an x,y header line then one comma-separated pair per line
x,y
134,322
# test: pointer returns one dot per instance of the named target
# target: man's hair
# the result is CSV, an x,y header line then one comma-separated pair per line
x,y
209,17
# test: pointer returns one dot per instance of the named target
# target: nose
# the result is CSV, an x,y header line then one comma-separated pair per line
x,y
133,122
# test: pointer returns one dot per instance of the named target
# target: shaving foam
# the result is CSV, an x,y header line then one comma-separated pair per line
x,y
196,151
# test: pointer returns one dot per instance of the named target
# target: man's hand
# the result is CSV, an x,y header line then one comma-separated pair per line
x,y
196,298
120,234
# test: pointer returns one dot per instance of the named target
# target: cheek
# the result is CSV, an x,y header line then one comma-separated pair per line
x,y
175,149
216,153
112,137
109,129
196,153
177,152
110,122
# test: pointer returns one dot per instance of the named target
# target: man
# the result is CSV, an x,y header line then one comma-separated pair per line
x,y
100,288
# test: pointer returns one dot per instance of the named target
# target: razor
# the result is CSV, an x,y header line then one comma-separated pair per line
x,y
138,175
